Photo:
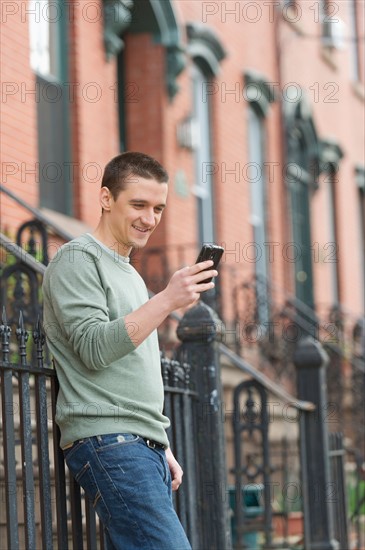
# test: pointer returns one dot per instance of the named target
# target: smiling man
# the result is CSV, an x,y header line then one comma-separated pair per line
x,y
102,331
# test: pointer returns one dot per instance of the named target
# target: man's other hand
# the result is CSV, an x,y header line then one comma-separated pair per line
x,y
175,469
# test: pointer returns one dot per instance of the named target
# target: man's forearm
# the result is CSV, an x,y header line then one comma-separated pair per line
x,y
144,320
183,290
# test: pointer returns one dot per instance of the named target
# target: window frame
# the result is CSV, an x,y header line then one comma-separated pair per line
x,y
204,191
54,148
256,128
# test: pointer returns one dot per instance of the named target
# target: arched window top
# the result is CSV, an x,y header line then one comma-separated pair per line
x,y
139,16
154,16
258,92
117,16
330,154
157,17
303,145
205,48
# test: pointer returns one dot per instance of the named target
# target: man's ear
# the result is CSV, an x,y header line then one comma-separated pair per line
x,y
105,198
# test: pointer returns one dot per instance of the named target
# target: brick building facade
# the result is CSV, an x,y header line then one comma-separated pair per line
x,y
256,110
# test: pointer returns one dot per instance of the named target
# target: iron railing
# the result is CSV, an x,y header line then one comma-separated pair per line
x,y
337,491
55,512
192,401
38,216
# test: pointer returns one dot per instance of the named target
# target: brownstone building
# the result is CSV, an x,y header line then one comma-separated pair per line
x,y
257,111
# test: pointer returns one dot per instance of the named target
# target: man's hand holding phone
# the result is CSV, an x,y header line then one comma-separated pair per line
x,y
182,291
211,252
188,283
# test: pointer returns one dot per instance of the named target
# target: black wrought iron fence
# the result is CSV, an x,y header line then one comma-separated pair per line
x,y
181,408
43,507
267,487
355,479
32,482
337,492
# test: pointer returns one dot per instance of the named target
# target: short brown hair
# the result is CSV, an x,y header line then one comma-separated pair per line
x,y
131,163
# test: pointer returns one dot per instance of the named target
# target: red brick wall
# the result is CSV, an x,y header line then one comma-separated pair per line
x,y
18,153
94,111
145,103
229,132
248,35
336,103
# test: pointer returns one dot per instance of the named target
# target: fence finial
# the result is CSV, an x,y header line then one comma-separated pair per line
x,y
5,332
39,339
3,316
22,336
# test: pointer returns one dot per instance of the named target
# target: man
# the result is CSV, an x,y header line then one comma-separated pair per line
x,y
101,330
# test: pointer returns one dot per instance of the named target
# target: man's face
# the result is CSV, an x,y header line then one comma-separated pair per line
x,y
136,212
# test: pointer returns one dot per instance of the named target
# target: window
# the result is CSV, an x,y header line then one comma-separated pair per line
x,y
49,61
203,160
333,240
44,34
332,25
258,208
360,180
206,52
331,154
354,41
301,176
259,95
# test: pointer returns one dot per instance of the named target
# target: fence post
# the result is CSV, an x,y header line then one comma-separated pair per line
x,y
310,360
198,331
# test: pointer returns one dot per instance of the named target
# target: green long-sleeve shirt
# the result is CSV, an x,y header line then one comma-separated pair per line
x,y
107,384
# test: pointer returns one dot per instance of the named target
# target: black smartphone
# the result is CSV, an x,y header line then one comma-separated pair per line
x,y
210,252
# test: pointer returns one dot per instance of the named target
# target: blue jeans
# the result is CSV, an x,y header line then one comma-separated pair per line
x,y
129,485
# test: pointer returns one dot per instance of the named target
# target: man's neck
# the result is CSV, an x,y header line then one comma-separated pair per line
x,y
105,237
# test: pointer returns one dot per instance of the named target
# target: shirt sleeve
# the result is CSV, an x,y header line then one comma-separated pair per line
x,y
73,291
